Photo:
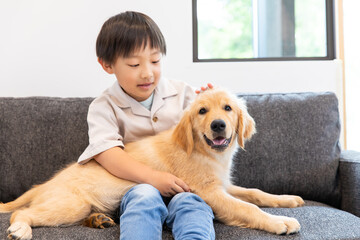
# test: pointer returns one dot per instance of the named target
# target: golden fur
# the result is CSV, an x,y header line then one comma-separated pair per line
x,y
192,151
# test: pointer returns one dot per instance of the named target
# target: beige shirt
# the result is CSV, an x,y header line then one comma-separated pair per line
x,y
115,118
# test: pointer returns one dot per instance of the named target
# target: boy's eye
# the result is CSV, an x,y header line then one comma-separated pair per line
x,y
157,61
133,65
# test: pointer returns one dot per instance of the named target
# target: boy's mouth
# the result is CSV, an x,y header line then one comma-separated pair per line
x,y
145,85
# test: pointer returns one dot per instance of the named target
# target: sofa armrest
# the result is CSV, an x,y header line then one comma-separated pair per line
x,y
349,171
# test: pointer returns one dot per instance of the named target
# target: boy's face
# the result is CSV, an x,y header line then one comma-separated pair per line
x,y
139,73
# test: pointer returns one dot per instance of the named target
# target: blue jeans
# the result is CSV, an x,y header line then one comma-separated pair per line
x,y
143,213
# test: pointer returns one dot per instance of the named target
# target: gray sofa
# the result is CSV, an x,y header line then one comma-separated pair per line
x,y
295,151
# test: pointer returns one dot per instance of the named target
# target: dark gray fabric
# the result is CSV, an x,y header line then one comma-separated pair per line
x,y
295,149
38,136
350,181
318,222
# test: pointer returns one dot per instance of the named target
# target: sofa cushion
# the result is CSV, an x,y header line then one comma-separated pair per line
x,y
38,136
295,150
318,221
296,147
349,171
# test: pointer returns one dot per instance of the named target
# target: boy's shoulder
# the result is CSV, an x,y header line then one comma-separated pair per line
x,y
172,87
107,99
174,82
115,95
184,92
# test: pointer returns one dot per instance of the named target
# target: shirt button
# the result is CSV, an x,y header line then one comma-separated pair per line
x,y
155,119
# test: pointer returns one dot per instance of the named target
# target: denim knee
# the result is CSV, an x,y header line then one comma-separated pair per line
x,y
144,191
190,217
144,197
142,205
191,200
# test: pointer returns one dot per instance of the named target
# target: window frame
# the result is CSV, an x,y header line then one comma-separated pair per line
x,y
330,40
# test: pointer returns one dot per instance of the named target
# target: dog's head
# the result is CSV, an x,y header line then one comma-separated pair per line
x,y
214,120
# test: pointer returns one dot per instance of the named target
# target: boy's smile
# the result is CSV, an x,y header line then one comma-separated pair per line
x,y
145,86
138,74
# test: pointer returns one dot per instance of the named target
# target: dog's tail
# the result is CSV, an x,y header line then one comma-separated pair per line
x,y
21,201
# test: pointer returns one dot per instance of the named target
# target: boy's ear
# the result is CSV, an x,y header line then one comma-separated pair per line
x,y
106,66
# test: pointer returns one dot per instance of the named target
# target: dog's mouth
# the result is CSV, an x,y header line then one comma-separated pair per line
x,y
219,143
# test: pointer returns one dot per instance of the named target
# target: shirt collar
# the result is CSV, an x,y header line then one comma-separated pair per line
x,y
163,90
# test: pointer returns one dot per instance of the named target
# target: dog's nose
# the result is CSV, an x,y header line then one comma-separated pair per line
x,y
218,125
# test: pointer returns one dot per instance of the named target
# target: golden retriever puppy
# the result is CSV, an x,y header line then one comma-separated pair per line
x,y
198,150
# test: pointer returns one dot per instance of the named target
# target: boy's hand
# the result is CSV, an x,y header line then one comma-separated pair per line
x,y
209,86
168,184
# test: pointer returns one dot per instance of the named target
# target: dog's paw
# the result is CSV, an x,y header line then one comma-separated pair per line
x,y
284,225
19,231
290,201
99,220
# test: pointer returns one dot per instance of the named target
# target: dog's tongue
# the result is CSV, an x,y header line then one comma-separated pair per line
x,y
219,141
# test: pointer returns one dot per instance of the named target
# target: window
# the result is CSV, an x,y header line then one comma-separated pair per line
x,y
253,30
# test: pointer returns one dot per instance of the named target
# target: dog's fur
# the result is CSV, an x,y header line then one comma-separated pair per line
x,y
196,150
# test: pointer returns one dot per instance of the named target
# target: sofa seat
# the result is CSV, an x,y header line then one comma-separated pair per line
x,y
318,221
295,151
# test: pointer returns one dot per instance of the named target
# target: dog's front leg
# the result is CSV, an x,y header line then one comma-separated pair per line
x,y
233,211
263,199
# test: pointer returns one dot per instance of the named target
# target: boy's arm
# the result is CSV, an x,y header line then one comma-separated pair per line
x,y
122,165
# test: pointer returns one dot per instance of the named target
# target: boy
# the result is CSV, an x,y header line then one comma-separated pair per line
x,y
142,103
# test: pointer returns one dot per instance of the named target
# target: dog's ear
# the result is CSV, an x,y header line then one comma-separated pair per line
x,y
183,135
246,127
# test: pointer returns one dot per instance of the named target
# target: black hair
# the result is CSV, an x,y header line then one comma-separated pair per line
x,y
125,33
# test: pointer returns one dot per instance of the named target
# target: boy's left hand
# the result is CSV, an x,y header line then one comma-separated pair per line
x,y
203,89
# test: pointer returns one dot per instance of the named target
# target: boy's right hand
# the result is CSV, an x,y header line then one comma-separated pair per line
x,y
168,184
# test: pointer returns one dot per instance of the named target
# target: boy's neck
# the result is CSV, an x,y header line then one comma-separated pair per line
x,y
148,102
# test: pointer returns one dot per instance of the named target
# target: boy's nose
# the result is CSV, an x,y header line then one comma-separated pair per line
x,y
146,73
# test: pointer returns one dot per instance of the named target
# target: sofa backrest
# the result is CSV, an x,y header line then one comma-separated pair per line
x,y
38,136
296,148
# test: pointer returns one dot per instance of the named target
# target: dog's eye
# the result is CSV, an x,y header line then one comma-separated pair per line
x,y
202,111
227,108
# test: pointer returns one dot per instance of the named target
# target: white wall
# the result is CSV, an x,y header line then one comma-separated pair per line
x,y
47,48
352,72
